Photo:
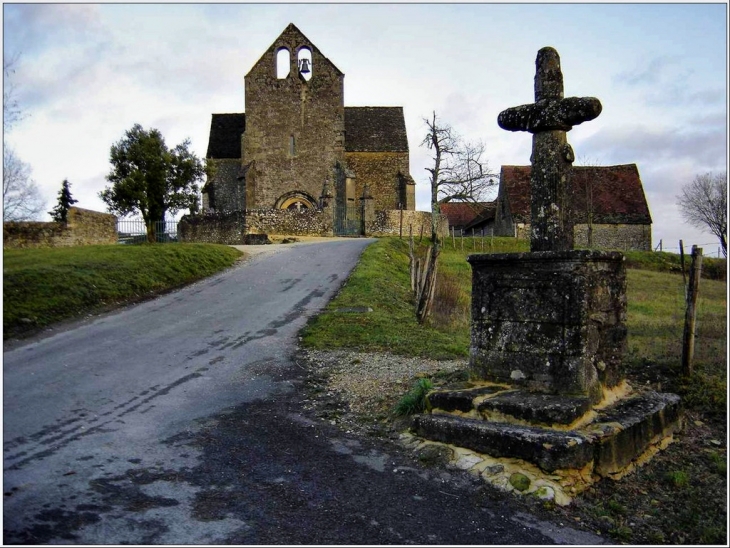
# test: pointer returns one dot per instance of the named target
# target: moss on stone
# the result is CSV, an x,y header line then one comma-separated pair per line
x,y
519,481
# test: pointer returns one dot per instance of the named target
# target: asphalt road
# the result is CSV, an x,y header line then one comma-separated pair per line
x,y
181,421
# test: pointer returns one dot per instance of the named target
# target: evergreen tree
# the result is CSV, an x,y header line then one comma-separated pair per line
x,y
65,201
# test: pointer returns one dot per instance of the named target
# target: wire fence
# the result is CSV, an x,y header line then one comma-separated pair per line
x,y
134,231
708,250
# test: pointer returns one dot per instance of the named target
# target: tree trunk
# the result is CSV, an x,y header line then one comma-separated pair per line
x,y
425,297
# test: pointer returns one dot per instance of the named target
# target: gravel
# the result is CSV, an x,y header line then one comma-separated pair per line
x,y
359,389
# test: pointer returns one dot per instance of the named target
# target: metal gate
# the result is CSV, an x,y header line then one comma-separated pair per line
x,y
134,231
348,221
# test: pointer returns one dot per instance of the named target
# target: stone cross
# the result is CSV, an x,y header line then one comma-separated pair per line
x,y
549,118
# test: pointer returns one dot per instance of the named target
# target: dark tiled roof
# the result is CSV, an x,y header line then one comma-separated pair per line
x,y
225,135
375,129
618,195
461,214
484,217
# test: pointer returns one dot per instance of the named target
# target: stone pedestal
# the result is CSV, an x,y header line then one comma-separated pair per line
x,y
547,396
552,322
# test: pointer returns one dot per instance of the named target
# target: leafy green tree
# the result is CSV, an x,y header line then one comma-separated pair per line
x,y
65,201
150,179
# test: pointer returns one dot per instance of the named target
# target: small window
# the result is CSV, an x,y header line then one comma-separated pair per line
x,y
283,59
292,146
304,63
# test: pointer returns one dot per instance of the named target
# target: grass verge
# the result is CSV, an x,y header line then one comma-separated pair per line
x,y
44,286
381,281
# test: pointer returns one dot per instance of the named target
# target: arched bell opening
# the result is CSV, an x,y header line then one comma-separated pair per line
x,y
283,63
304,62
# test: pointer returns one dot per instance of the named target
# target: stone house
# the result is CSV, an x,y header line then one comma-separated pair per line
x,y
609,206
298,147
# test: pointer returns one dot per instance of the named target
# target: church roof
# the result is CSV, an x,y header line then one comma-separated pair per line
x,y
225,135
618,195
375,129
367,129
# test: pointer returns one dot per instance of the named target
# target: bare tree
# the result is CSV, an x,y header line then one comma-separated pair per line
x,y
22,200
12,113
460,173
703,204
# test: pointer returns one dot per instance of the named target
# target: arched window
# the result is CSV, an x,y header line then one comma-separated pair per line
x,y
304,63
283,58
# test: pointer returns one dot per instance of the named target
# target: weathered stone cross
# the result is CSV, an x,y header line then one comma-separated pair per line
x,y
548,119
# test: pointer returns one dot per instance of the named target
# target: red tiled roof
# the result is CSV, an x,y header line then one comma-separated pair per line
x,y
462,213
618,195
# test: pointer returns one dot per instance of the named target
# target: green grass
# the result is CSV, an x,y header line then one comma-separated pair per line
x,y
661,261
381,281
43,286
655,316
414,401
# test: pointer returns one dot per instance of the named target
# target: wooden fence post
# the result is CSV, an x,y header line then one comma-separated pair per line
x,y
688,339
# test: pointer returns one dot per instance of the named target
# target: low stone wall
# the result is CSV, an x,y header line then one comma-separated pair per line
x,y
307,222
84,227
230,228
211,228
388,223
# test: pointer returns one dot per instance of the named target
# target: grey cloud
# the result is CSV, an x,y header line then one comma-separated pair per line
x,y
702,147
650,73
677,95
30,28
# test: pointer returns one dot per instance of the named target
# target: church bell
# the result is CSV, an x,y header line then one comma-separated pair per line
x,y
304,66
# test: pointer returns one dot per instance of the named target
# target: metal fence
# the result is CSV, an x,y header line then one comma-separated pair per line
x,y
134,231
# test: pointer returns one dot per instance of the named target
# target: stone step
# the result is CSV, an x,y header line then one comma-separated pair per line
x,y
549,449
618,435
462,399
541,409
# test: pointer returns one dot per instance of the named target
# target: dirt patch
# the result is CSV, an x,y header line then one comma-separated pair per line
x,y
679,497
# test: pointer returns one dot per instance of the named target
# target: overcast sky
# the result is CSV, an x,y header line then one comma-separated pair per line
x,y
86,73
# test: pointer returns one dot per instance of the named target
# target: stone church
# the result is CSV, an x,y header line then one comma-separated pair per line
x,y
298,147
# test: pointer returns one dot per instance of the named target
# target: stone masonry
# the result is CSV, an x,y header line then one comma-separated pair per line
x,y
84,227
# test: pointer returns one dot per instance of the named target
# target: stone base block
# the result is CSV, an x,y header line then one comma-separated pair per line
x,y
552,322
614,438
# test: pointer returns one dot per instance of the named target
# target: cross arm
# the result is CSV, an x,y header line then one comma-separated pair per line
x,y
549,115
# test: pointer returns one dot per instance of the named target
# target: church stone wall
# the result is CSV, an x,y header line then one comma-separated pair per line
x,y
379,170
225,192
312,112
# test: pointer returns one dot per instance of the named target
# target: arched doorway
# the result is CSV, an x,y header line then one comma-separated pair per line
x,y
298,201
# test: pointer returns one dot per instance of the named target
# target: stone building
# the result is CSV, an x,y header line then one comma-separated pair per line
x,y
609,206
298,147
